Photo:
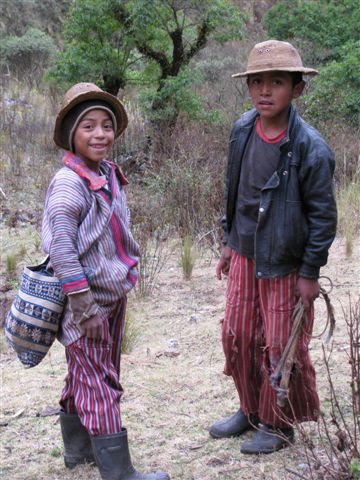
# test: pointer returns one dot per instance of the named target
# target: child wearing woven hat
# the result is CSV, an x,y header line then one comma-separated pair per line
x,y
92,252
279,225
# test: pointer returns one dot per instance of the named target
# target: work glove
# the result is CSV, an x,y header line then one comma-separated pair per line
x,y
86,313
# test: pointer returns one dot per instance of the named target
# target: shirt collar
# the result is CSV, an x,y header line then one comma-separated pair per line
x,y
95,182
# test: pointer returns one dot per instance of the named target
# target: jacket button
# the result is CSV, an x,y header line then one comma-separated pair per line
x,y
289,154
261,209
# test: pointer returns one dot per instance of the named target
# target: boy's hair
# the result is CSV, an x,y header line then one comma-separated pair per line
x,y
296,77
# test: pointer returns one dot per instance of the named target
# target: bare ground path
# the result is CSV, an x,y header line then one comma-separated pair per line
x,y
170,399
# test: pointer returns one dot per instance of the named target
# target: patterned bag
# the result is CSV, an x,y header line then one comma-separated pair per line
x,y
32,322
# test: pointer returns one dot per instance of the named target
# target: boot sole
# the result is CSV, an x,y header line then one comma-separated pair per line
x,y
236,434
71,464
286,444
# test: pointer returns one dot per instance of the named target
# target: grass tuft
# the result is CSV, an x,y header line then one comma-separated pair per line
x,y
130,334
348,200
11,264
187,257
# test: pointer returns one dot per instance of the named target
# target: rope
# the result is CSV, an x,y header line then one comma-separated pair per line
x,y
281,377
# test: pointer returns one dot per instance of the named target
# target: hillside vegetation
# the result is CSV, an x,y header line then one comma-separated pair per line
x,y
171,63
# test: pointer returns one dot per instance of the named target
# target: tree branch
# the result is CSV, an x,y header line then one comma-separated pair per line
x,y
200,43
158,57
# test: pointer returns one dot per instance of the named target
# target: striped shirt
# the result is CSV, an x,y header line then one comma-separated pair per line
x,y
86,233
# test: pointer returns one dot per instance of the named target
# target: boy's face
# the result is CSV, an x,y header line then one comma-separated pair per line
x,y
93,137
272,92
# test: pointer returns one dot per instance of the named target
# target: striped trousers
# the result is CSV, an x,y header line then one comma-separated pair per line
x,y
92,387
255,330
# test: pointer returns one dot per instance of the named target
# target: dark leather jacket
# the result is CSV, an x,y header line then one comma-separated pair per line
x,y
297,215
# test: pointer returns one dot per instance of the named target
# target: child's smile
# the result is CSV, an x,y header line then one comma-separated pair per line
x,y
93,137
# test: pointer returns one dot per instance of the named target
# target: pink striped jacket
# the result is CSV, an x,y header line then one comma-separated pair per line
x,y
86,233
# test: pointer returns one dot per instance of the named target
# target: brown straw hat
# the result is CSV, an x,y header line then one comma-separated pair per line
x,y
82,92
274,55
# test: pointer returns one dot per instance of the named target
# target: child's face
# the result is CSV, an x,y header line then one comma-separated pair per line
x,y
272,93
93,137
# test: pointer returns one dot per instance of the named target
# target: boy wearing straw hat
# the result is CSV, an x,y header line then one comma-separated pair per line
x,y
92,252
279,225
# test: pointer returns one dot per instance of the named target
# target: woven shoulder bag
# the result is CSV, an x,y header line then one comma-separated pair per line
x,y
33,320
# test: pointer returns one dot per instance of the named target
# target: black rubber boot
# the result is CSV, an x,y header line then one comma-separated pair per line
x,y
77,442
268,440
233,426
113,459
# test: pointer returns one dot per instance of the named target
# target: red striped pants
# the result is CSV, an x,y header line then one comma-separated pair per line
x,y
256,328
92,387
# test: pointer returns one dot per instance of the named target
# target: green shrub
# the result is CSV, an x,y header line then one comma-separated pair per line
x,y
27,55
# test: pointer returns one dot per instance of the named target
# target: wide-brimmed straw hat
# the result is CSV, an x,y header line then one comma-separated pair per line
x,y
274,55
85,92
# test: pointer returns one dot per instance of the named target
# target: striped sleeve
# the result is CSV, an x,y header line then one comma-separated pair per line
x,y
65,207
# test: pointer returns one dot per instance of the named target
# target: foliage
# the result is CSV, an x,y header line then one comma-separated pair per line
x,y
95,47
27,55
328,34
178,95
336,93
149,42
327,24
169,35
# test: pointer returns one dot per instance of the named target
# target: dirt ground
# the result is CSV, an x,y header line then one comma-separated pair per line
x,y
173,382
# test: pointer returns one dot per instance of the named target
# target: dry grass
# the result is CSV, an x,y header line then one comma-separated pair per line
x,y
169,401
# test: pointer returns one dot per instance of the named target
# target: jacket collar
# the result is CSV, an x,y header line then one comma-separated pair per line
x,y
249,118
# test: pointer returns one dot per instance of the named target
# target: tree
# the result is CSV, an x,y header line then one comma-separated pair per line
x,y
328,32
95,47
169,34
149,41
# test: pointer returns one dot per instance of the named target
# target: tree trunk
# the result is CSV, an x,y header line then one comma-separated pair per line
x,y
113,84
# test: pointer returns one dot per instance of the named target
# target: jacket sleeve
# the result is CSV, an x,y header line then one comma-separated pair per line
x,y
316,177
65,207
224,220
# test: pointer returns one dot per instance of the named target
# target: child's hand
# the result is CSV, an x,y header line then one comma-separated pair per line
x,y
223,265
91,327
308,289
85,313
